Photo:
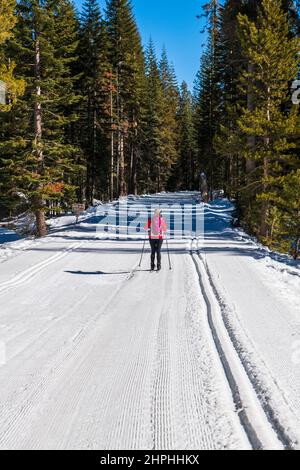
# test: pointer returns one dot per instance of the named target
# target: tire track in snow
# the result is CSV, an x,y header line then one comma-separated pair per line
x,y
252,416
27,275
287,442
195,404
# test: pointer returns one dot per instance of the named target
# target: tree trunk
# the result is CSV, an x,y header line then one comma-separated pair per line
x,y
122,183
112,163
88,149
297,248
158,179
93,165
112,143
265,206
250,164
133,167
134,175
38,203
130,178
119,116
40,220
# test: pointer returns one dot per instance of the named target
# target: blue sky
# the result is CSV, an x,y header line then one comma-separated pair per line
x,y
172,23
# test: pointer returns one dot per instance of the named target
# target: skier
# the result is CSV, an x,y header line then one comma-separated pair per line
x,y
156,227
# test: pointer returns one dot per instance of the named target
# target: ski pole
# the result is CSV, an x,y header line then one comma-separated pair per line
x,y
170,266
142,255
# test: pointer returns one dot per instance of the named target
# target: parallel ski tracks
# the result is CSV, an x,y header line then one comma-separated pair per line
x,y
258,421
262,428
27,275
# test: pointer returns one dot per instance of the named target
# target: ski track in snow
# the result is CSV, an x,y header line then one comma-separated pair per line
x,y
101,354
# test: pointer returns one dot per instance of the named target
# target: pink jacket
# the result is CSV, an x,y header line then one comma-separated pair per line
x,y
157,226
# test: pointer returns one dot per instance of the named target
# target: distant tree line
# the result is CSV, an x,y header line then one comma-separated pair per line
x,y
100,116
248,133
91,114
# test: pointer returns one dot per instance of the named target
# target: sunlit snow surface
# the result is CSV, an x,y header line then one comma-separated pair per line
x,y
98,353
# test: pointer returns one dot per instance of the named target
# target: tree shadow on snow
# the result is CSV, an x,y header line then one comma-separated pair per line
x,y
96,273
102,273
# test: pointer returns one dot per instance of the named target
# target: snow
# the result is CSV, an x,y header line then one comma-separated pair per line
x,y
98,353
259,291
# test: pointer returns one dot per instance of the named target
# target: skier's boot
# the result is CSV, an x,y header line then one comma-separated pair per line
x,y
152,267
158,267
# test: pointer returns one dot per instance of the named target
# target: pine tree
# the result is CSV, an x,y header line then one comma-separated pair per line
x,y
274,57
169,126
244,149
96,83
153,120
284,215
36,155
12,87
186,165
207,99
231,64
8,19
288,205
127,60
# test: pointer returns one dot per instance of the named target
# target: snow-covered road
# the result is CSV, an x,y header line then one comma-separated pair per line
x,y
99,353
259,296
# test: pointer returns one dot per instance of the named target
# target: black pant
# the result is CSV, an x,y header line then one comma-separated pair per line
x,y
156,249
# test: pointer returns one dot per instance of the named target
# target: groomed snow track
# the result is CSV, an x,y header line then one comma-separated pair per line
x,y
283,437
114,357
262,428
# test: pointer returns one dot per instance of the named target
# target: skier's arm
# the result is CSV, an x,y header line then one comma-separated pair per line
x,y
148,225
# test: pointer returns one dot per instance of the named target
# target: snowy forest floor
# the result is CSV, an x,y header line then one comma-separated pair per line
x,y
99,353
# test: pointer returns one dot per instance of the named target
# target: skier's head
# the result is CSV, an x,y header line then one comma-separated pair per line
x,y
157,212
